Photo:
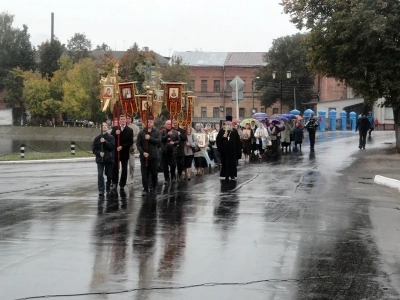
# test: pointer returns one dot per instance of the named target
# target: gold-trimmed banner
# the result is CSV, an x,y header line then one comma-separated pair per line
x,y
127,97
173,97
144,107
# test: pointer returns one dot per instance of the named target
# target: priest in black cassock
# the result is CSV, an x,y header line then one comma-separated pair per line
x,y
229,147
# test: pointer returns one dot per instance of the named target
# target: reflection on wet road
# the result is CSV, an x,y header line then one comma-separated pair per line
x,y
289,227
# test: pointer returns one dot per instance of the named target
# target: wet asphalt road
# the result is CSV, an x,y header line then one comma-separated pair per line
x,y
289,228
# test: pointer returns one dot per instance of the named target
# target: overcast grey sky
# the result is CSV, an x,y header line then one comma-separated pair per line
x,y
162,25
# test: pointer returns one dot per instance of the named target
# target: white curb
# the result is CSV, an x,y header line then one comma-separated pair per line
x,y
386,181
49,161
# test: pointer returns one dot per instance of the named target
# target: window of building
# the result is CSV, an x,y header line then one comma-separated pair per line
x,y
241,113
389,113
263,110
191,85
228,87
275,111
204,86
217,86
228,111
215,112
204,112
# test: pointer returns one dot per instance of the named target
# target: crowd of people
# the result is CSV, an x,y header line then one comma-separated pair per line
x,y
180,153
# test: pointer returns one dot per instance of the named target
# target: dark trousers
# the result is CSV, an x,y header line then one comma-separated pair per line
x,y
370,130
151,170
180,163
311,135
102,170
363,138
169,165
216,156
124,173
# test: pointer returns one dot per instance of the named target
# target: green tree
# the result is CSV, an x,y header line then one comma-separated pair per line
x,y
81,91
288,53
37,97
177,71
14,85
356,42
49,53
103,47
15,48
130,61
79,47
65,64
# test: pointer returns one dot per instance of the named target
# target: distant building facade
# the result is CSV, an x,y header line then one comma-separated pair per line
x,y
211,74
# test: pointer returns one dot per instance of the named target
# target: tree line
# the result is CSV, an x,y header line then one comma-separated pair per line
x,y
60,81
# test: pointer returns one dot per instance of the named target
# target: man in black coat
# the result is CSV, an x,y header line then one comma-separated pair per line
x,y
123,136
229,147
180,151
363,125
170,141
311,127
103,147
148,144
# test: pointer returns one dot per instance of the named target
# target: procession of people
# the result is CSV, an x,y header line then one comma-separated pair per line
x,y
184,152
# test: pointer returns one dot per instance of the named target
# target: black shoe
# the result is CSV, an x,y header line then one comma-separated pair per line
x,y
233,178
364,148
145,192
121,188
101,194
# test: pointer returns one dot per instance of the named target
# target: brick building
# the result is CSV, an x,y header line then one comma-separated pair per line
x,y
212,72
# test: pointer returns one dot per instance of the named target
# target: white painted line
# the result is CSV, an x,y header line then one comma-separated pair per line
x,y
386,181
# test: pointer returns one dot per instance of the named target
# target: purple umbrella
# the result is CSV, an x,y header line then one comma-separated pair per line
x,y
260,116
289,116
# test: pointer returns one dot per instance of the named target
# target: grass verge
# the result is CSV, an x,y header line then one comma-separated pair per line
x,y
38,156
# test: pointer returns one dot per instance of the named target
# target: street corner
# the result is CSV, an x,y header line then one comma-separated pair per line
x,y
387,181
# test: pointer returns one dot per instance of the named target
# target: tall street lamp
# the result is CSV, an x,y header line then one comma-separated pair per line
x,y
288,76
253,110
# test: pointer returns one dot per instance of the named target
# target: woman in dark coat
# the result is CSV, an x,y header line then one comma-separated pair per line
x,y
247,137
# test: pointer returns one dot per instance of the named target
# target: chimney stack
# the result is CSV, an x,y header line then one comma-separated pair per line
x,y
52,26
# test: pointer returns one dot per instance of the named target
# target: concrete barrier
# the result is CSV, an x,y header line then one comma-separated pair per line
x,y
386,181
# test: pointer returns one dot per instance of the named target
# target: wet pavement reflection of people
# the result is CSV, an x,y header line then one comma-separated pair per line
x,y
111,234
143,244
225,212
173,228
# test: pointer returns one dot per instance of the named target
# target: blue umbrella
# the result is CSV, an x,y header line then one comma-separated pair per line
x,y
263,115
289,116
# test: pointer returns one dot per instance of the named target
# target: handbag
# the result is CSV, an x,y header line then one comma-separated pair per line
x,y
196,148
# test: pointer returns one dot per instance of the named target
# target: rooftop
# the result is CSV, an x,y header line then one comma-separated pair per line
x,y
199,58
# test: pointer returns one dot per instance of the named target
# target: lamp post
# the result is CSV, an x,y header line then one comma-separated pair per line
x,y
253,110
288,76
